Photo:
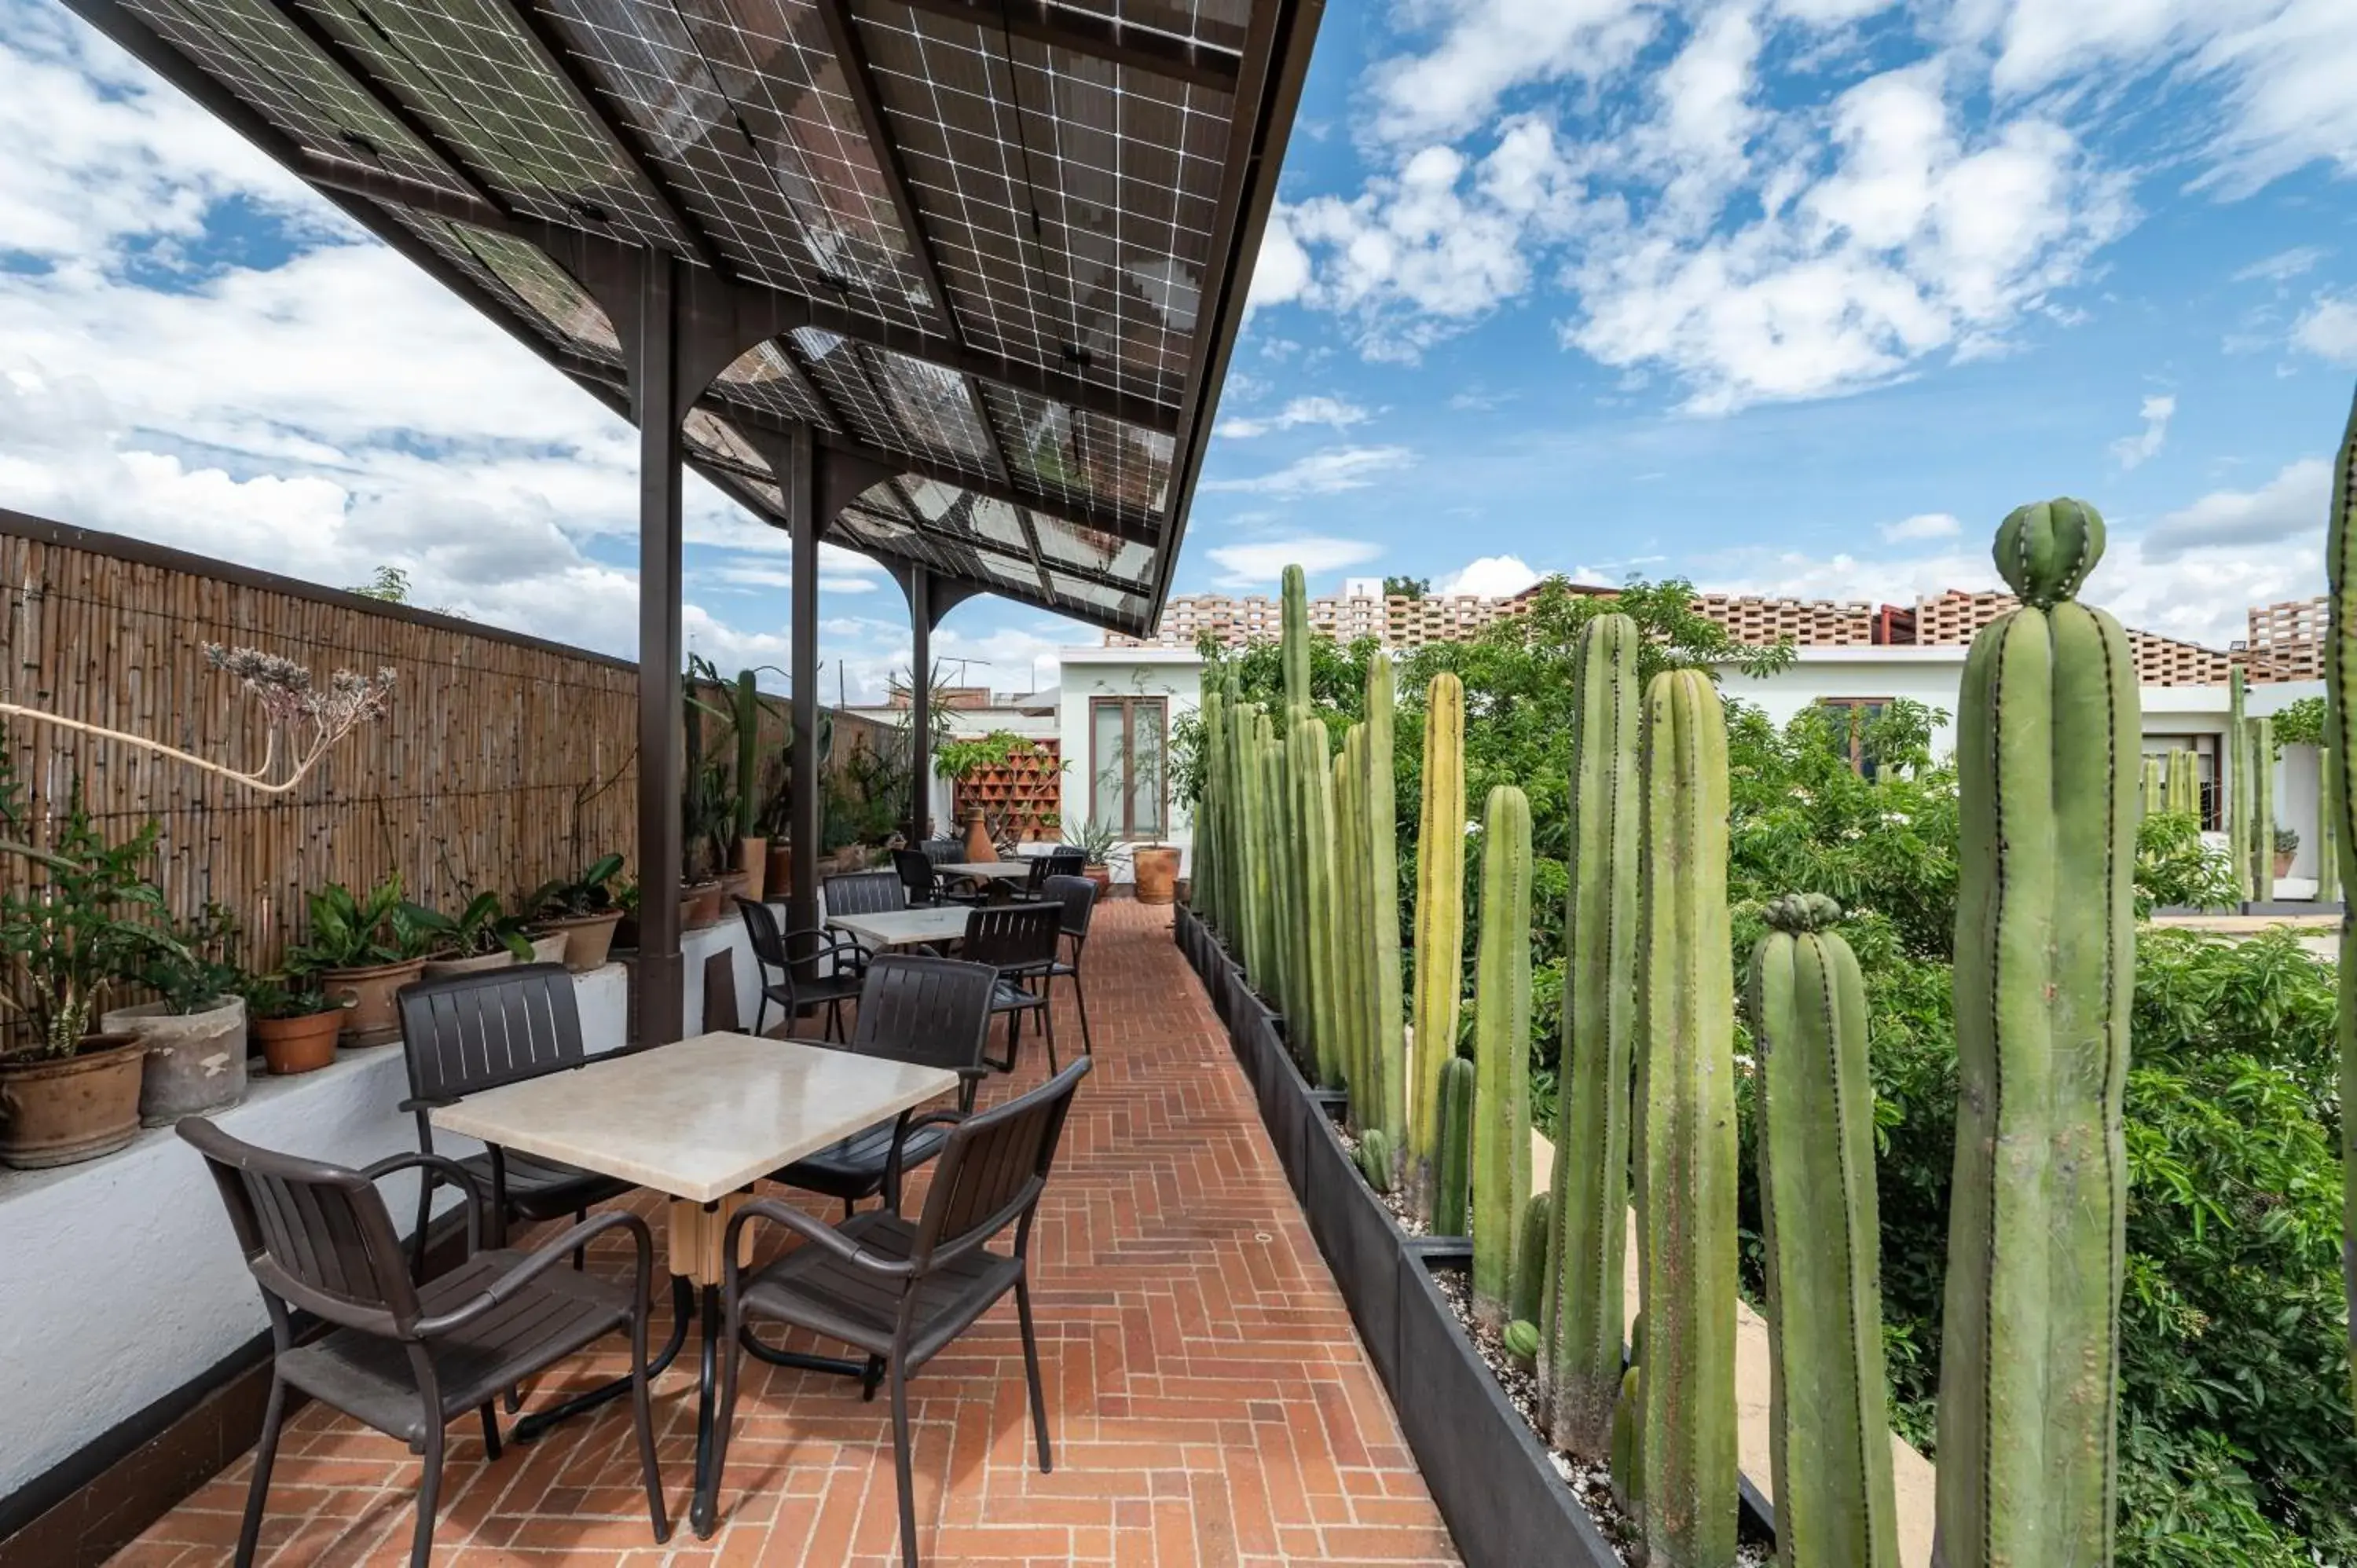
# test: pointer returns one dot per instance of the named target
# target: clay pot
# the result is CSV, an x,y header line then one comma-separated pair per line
x,y
196,1062
436,968
298,1044
2283,863
1186,890
550,948
732,887
979,850
1099,874
55,1110
779,876
753,865
1155,867
372,1014
588,938
700,905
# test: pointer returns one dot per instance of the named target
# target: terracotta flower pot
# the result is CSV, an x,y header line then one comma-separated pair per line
x,y
371,1016
435,968
1155,866
588,938
753,865
196,1062
550,948
55,1110
732,887
1099,874
979,850
2283,862
700,905
298,1044
779,875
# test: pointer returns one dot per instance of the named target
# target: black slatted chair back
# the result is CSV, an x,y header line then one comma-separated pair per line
x,y
934,1011
473,1031
919,880
316,1235
1013,937
1061,861
864,893
943,852
995,1166
1078,896
762,929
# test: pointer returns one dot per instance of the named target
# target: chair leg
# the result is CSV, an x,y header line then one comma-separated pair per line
x,y
265,1454
491,1430
642,1417
1031,1371
429,1495
761,1009
871,1378
724,1420
902,1464
580,1254
1048,1022
1081,1001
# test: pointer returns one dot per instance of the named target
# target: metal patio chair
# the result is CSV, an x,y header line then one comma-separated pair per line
x,y
1078,896
776,952
933,1012
1061,861
864,893
473,1031
904,1290
403,1358
921,880
1018,941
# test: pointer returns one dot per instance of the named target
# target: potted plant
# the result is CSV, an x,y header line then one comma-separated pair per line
x,y
1096,839
67,1092
2287,847
583,910
962,763
195,1033
1156,868
775,821
480,937
294,1022
365,949
707,815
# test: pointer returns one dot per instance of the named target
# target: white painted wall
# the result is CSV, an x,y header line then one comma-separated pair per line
x,y
120,1280
1174,674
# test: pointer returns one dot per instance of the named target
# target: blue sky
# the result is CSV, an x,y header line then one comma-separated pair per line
x,y
1785,295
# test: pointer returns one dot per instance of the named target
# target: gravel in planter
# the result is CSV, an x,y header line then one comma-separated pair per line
x,y
1406,1219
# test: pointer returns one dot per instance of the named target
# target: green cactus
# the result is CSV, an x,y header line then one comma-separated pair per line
x,y
2328,849
1352,1016
2184,783
1686,1172
1296,644
1251,873
1579,1377
1532,1254
1502,1054
1452,1189
1440,931
1316,986
2151,787
1210,858
1828,1409
1381,806
1378,1158
2044,977
1285,867
1275,865
1522,1342
2263,809
2340,669
2234,774
1628,1437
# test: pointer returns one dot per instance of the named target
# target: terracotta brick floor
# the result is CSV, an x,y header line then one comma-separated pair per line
x,y
1208,1397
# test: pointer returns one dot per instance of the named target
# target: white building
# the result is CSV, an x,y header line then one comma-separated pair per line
x,y
1115,711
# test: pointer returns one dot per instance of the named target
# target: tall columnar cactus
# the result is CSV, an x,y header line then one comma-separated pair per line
x,y
1210,856
1253,868
1275,864
1296,644
1580,1327
1388,1044
1316,986
2328,838
1502,1055
1439,926
2154,799
2234,773
2044,976
1686,1008
2263,809
2184,783
1352,1016
1828,1408
2341,742
1452,1186
1531,1256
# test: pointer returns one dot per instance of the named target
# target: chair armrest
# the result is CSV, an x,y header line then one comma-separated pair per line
x,y
426,1102
900,1130
539,1261
449,1169
815,1231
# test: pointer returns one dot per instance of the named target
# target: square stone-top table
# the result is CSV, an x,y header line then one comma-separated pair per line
x,y
919,928
988,870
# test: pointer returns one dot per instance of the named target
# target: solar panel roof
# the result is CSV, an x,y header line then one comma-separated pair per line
x,y
1023,229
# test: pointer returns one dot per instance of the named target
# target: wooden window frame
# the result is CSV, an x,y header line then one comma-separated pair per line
x,y
1856,708
1097,765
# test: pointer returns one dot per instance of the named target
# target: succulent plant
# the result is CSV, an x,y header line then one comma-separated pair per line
x,y
2184,783
1687,1169
2044,976
1522,1342
2328,854
1532,1255
1502,1055
1579,1376
1439,933
1314,1002
1829,1419
1382,818
2234,773
2262,808
1378,1158
2339,671
1296,591
2151,787
1452,1189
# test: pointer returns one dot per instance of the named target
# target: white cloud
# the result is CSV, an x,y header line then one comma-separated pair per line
x,y
1923,525
2130,450
1336,413
2329,330
2293,503
1488,48
1492,576
1260,563
2283,264
1323,473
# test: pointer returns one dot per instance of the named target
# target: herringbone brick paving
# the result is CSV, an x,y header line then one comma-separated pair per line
x,y
1209,1398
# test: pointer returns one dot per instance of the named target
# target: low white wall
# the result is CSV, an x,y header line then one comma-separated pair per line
x,y
120,1279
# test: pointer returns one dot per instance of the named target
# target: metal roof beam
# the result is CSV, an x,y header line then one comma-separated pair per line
x,y
1098,37
980,546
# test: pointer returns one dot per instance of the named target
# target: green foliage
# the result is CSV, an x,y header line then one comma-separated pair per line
x,y
1093,838
590,893
351,931
2176,870
388,584
477,930
291,995
195,966
961,759
2300,722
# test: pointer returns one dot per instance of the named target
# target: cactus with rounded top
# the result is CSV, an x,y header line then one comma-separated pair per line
x,y
1533,1254
1210,856
2234,771
1452,1187
1521,1342
2044,978
1687,1169
2263,809
1275,866
2151,787
1628,1457
1354,1018
1829,1432
1295,646
1315,982
1502,1054
2339,739
2184,783
1580,1375
1439,930
2328,847
1378,1158
1381,805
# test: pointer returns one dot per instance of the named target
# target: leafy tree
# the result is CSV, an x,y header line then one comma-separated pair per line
x,y
389,584
1406,587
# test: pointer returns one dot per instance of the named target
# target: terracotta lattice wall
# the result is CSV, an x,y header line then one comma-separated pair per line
x,y
1027,794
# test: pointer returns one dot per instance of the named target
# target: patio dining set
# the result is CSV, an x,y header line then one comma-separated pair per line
x,y
498,1056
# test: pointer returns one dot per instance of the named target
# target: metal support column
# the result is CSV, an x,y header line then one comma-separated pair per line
x,y
803,506
921,701
661,747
